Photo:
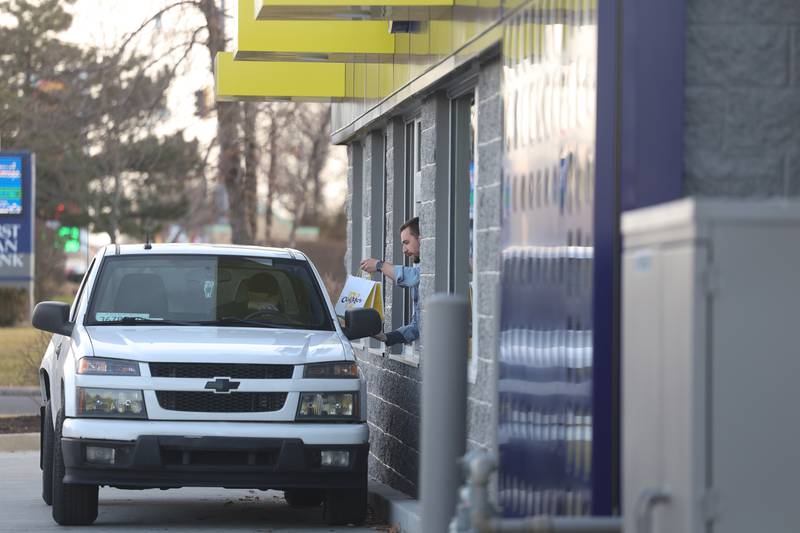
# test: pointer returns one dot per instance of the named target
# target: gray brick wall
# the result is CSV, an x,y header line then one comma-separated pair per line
x,y
481,407
742,89
392,150
366,200
394,387
427,211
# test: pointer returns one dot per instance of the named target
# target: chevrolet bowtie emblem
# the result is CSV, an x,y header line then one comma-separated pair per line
x,y
223,385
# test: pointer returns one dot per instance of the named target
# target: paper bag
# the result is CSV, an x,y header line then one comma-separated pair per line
x,y
360,293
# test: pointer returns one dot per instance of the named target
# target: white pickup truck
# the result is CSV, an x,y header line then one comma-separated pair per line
x,y
200,365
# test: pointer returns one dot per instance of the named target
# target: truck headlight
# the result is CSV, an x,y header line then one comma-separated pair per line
x,y
340,369
328,405
111,403
107,367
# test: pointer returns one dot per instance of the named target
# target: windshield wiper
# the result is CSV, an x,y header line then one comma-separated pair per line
x,y
236,320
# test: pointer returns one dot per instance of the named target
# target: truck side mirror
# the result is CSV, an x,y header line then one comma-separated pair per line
x,y
359,323
52,317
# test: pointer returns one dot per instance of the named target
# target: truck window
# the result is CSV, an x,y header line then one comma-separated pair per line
x,y
208,290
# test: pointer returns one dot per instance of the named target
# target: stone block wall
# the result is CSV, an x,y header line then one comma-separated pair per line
x,y
481,405
742,90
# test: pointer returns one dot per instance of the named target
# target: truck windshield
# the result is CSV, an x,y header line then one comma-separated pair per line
x,y
207,290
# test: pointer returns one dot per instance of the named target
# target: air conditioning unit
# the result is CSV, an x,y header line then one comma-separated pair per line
x,y
710,367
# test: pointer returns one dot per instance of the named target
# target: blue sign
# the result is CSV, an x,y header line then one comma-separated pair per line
x,y
17,207
10,185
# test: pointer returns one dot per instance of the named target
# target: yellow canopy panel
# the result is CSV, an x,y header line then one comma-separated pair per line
x,y
274,80
305,40
353,10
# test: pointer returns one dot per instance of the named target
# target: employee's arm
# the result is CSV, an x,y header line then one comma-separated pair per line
x,y
388,271
368,265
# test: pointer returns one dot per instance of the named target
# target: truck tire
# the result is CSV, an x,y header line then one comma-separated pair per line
x,y
46,454
345,506
73,505
304,497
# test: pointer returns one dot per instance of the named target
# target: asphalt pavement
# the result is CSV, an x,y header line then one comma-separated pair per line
x,y
145,511
15,401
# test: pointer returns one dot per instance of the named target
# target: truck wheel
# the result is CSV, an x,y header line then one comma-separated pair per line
x,y
345,506
73,505
304,497
46,454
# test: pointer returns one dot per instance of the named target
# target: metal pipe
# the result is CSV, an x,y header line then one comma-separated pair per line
x,y
476,514
444,408
557,524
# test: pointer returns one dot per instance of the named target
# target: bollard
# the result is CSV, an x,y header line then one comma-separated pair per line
x,y
444,408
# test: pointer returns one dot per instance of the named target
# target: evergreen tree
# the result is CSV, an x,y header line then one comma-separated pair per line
x,y
91,118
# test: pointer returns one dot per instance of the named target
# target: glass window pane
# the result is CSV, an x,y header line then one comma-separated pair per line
x,y
208,290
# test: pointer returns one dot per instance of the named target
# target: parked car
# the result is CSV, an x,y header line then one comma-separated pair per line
x,y
201,365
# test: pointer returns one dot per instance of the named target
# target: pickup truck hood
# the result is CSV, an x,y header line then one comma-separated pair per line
x,y
216,344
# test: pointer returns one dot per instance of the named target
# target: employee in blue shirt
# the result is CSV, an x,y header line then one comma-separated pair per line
x,y
405,276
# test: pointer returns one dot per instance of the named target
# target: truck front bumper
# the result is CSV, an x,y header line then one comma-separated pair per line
x,y
174,460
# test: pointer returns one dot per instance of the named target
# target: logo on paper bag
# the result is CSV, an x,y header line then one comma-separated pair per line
x,y
359,293
352,299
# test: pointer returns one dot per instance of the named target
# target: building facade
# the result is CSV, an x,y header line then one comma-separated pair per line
x,y
401,170
518,132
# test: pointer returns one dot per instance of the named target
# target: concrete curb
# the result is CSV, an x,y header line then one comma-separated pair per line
x,y
394,508
19,442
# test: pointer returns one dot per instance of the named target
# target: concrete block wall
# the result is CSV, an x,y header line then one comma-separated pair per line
x,y
394,387
481,405
427,208
393,218
742,90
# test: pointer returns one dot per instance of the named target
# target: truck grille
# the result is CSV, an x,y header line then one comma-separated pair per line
x,y
214,370
211,402
177,457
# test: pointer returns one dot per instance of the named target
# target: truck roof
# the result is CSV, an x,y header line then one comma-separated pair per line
x,y
202,249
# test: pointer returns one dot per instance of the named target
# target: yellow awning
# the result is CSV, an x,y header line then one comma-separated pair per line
x,y
305,40
353,10
277,80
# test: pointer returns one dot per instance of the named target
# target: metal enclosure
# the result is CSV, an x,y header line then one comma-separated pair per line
x,y
709,367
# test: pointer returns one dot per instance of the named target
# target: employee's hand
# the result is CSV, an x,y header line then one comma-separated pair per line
x,y
380,336
368,265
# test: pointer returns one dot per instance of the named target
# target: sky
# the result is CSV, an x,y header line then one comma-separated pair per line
x,y
104,23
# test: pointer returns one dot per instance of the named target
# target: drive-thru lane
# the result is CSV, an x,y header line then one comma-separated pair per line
x,y
144,511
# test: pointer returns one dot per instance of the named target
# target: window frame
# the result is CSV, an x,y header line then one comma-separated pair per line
x,y
377,210
411,184
76,304
462,139
357,207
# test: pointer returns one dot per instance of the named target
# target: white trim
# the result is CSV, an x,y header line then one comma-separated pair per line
x,y
411,359
77,428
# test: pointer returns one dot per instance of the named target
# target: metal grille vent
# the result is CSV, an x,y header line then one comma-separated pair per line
x,y
213,370
210,402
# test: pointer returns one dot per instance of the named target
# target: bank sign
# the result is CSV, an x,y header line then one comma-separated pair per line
x,y
17,206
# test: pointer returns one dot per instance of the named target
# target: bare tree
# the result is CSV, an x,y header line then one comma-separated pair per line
x,y
280,116
229,121
305,151
252,157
